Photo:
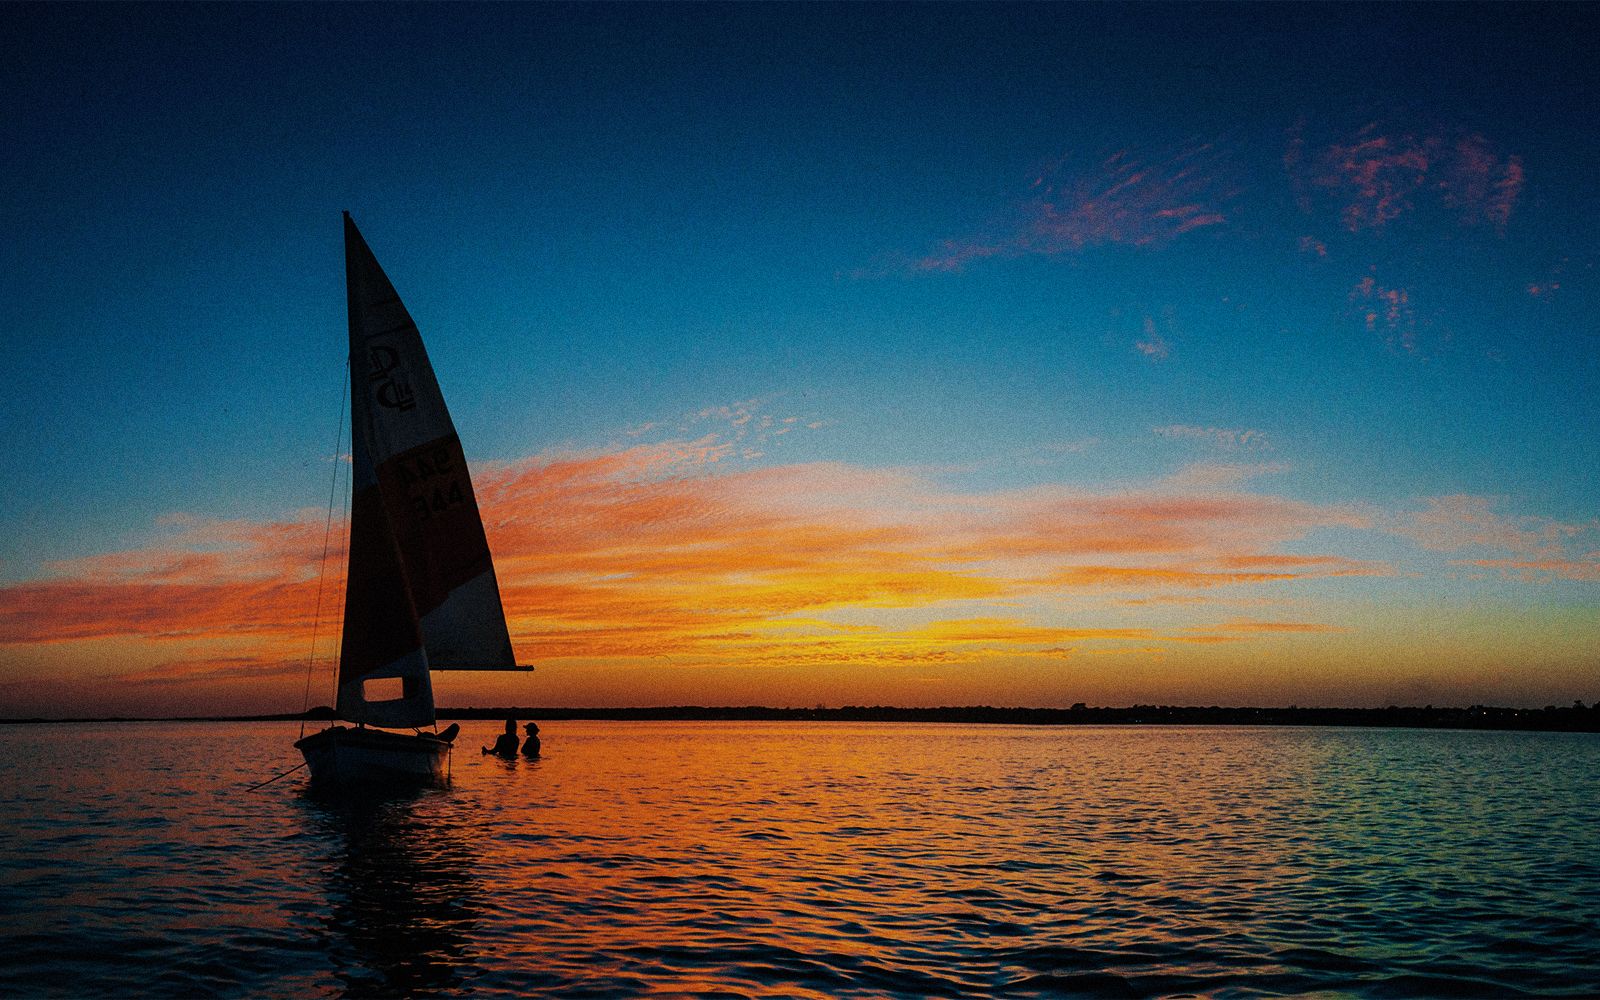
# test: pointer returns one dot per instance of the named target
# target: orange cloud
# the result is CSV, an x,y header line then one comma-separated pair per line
x,y
1270,628
1327,565
1197,528
217,669
1586,569
1244,630
675,552
609,563
1124,577
67,610
963,640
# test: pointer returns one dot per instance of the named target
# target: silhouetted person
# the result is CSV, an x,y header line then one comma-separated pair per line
x,y
506,745
530,748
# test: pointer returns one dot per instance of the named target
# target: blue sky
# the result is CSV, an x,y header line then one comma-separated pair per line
x,y
1023,246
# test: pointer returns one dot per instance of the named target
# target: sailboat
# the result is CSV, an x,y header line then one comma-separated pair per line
x,y
421,593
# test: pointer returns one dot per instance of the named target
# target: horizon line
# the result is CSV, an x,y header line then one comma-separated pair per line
x,y
1575,717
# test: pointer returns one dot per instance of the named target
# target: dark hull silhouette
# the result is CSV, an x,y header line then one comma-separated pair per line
x,y
341,755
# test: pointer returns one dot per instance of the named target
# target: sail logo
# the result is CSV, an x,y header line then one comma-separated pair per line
x,y
393,389
430,479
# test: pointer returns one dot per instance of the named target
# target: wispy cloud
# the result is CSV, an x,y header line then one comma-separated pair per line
x,y
1463,521
1387,311
1152,345
1219,476
1547,286
1325,565
1125,199
677,552
1379,174
956,640
1585,569
743,429
667,549
1479,182
1218,437
217,669
1239,630
681,549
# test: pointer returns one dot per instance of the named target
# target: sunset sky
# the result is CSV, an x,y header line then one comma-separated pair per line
x,y
905,355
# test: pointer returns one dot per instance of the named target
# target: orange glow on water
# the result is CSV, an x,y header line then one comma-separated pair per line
x,y
797,859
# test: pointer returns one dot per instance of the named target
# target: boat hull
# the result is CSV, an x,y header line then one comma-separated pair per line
x,y
344,756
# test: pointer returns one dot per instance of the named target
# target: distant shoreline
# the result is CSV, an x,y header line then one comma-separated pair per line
x,y
1575,718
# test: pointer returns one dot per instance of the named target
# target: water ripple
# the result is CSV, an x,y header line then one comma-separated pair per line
x,y
754,860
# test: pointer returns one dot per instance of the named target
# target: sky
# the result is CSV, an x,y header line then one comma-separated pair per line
x,y
913,355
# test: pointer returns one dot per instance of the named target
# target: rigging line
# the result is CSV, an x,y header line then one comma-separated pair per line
x,y
327,532
263,784
344,548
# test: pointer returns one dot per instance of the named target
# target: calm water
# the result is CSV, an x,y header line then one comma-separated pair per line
x,y
809,860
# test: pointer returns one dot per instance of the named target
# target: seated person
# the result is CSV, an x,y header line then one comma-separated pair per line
x,y
531,747
506,745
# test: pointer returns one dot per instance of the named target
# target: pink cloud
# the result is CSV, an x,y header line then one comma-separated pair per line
x,y
1463,521
1585,569
1378,175
1388,311
1550,284
1479,183
1123,199
954,254
1325,565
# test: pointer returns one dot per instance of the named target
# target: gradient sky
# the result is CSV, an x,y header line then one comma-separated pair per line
x,y
900,355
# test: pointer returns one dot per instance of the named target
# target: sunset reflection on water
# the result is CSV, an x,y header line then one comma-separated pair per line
x,y
403,896
802,859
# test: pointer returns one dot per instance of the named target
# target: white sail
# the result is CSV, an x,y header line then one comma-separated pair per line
x,y
422,593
